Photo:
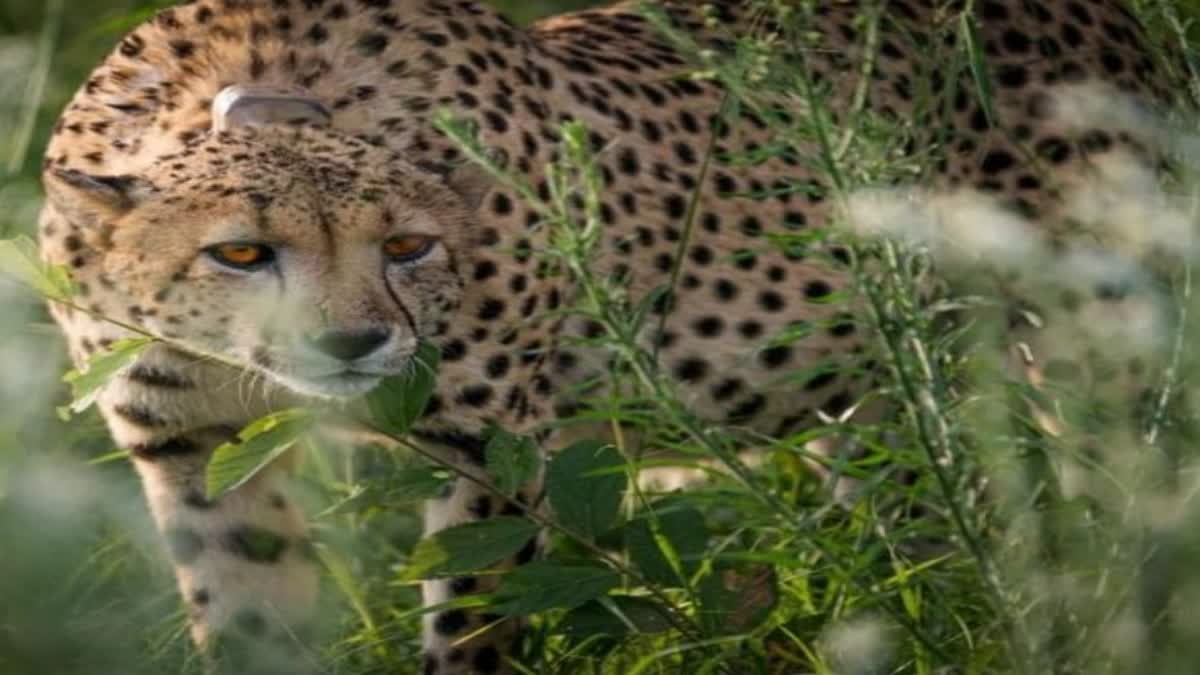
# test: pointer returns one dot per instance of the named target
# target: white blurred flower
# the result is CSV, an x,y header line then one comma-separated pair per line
x,y
859,646
957,226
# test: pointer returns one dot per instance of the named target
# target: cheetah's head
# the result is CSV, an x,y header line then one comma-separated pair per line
x,y
314,257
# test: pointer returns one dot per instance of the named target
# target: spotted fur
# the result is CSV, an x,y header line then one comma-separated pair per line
x,y
140,185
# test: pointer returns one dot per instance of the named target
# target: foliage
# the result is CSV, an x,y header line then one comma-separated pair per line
x,y
1031,553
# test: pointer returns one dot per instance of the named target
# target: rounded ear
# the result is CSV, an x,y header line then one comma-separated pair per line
x,y
471,182
85,198
244,105
468,180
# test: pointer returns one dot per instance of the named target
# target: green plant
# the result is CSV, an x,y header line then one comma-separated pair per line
x,y
974,540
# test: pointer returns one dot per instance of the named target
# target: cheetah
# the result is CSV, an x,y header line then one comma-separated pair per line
x,y
262,180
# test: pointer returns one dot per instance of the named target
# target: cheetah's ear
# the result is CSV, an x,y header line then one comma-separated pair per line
x,y
85,199
243,105
471,182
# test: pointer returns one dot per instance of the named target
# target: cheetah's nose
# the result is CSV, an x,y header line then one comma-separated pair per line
x,y
348,345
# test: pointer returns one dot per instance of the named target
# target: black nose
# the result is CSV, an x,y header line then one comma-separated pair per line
x,y
349,345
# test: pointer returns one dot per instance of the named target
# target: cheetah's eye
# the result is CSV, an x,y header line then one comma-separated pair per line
x,y
242,256
407,248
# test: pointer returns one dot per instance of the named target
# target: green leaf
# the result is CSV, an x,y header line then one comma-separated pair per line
x,y
87,384
232,464
667,546
585,484
418,482
350,585
543,585
470,547
398,401
977,63
511,460
614,615
738,600
19,259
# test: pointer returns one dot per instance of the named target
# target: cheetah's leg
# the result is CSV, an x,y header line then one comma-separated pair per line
x,y
242,562
458,641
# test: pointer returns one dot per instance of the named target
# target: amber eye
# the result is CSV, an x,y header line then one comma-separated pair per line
x,y
242,255
407,249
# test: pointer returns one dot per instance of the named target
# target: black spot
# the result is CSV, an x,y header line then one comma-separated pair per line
x,y
775,356
817,290
449,624
502,204
750,329
481,507
726,389
1071,35
491,309
997,161
837,404
993,11
485,269
372,44
820,381
250,622
196,500
463,585
795,220
528,552
1012,76
627,162
255,544
691,369
151,376
725,290
651,131
725,183
477,395
454,350
1112,62
748,409
201,597
685,153
1096,141
676,206
317,34
1048,47
750,226
486,660
434,39
701,255
709,326
174,447
182,48
771,301
843,328
1054,149
498,366
139,415
1015,41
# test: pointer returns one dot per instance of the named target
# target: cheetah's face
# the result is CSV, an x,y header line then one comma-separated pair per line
x,y
315,259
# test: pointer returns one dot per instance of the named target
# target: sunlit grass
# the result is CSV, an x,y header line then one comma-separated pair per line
x,y
975,542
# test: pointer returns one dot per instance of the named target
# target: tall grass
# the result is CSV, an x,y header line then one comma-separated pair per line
x,y
974,539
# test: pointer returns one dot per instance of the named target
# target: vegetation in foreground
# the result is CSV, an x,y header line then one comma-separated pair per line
x,y
976,542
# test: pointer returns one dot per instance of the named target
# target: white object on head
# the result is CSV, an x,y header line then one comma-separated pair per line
x,y
248,105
